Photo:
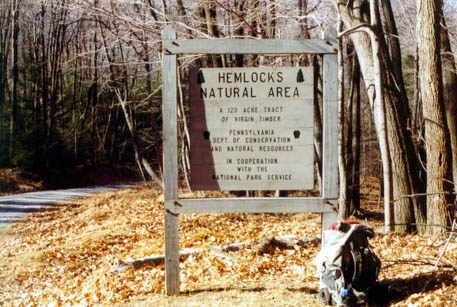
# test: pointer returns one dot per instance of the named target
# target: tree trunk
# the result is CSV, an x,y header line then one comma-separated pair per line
x,y
44,99
379,108
5,41
182,13
393,43
449,93
94,99
272,21
355,190
436,132
302,12
203,28
239,5
318,129
15,73
253,60
353,138
213,29
154,120
344,209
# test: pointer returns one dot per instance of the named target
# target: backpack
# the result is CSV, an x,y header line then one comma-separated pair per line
x,y
347,267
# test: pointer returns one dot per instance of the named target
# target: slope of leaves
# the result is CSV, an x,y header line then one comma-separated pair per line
x,y
65,256
16,181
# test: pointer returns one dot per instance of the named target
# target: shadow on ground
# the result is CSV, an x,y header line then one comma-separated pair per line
x,y
222,289
306,290
417,284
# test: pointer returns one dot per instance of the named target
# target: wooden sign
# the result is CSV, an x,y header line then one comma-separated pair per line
x,y
252,122
252,128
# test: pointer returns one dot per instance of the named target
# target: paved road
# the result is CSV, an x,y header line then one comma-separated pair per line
x,y
14,207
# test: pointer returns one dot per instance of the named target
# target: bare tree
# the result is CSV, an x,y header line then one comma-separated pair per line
x,y
401,151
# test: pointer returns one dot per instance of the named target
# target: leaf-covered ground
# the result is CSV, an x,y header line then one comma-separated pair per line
x,y
65,257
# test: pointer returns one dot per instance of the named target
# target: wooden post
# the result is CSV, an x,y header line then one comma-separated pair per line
x,y
330,131
170,166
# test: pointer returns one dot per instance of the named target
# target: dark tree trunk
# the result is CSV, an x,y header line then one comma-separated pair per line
x,y
354,134
240,7
355,191
15,74
302,12
449,93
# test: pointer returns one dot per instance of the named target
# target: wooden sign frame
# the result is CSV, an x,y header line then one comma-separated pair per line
x,y
326,204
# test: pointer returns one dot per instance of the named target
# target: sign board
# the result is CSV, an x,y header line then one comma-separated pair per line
x,y
252,128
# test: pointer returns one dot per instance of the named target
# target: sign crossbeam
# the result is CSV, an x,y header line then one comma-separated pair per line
x,y
326,204
249,46
254,205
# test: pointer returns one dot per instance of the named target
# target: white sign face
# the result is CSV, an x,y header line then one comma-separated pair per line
x,y
252,128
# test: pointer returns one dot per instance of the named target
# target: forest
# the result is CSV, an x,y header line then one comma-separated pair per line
x,y
80,84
